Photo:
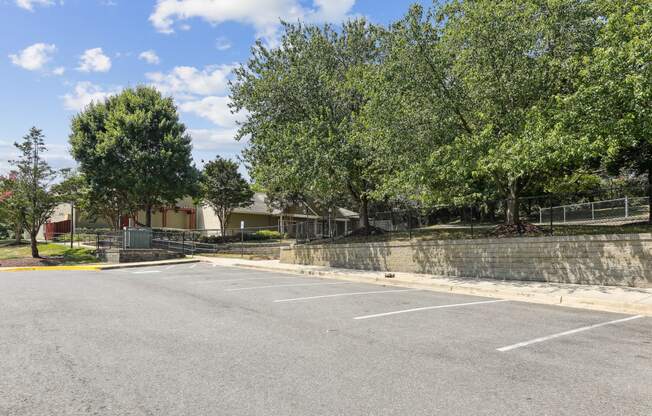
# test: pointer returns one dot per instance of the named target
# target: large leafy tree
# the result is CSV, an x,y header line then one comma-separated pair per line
x,y
613,105
302,101
476,84
32,195
224,189
134,152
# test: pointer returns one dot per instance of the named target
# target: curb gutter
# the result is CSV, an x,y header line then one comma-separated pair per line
x,y
98,267
516,294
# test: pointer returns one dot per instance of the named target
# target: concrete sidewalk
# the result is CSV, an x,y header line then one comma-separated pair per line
x,y
636,301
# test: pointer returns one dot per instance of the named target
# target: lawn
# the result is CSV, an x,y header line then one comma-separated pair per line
x,y
486,231
63,254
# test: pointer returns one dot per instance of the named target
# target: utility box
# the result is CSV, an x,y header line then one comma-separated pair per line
x,y
137,238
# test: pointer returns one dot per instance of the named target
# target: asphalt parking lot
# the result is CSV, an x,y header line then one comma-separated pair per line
x,y
195,339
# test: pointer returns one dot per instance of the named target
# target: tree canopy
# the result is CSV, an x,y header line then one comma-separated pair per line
x,y
224,189
31,199
302,102
134,152
461,101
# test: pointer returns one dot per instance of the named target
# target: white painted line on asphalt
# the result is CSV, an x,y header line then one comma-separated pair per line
x,y
201,282
194,265
344,294
146,272
291,285
565,333
169,267
427,308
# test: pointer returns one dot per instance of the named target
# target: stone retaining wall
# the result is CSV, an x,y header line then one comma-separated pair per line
x,y
624,260
136,255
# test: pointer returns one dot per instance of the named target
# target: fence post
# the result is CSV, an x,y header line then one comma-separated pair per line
x,y
540,215
552,230
592,211
472,231
564,214
626,207
183,243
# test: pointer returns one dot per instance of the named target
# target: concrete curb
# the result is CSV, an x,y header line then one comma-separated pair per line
x,y
516,294
147,264
100,267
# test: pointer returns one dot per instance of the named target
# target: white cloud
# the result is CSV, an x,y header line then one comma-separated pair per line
x,y
222,44
29,4
85,93
150,57
216,109
262,15
184,82
219,139
94,60
34,57
59,71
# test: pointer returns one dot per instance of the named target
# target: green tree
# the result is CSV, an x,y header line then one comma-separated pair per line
x,y
302,101
478,82
612,106
32,190
224,189
134,153
11,208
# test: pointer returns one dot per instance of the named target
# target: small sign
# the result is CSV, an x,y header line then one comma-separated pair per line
x,y
242,225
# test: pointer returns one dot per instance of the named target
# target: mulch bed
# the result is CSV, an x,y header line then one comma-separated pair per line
x,y
30,262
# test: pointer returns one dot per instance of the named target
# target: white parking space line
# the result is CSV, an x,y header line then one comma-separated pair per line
x,y
290,285
169,267
146,272
201,282
194,265
565,333
336,295
427,308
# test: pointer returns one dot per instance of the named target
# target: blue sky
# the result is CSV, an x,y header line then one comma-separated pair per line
x,y
58,55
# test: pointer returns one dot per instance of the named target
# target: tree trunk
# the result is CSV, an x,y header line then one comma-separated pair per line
x,y
18,234
34,243
148,216
364,213
512,211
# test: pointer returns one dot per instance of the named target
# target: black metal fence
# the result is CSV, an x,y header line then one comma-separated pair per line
x,y
623,209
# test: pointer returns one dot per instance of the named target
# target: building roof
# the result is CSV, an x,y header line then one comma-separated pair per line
x,y
261,207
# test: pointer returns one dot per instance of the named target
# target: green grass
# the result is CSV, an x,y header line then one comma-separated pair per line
x,y
69,255
426,234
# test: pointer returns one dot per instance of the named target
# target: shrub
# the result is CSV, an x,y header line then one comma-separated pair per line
x,y
268,235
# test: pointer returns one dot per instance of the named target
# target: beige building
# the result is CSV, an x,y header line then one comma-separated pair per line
x,y
186,215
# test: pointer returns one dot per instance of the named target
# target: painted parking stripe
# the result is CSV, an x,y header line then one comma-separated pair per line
x,y
146,272
565,333
290,285
194,265
336,295
427,308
